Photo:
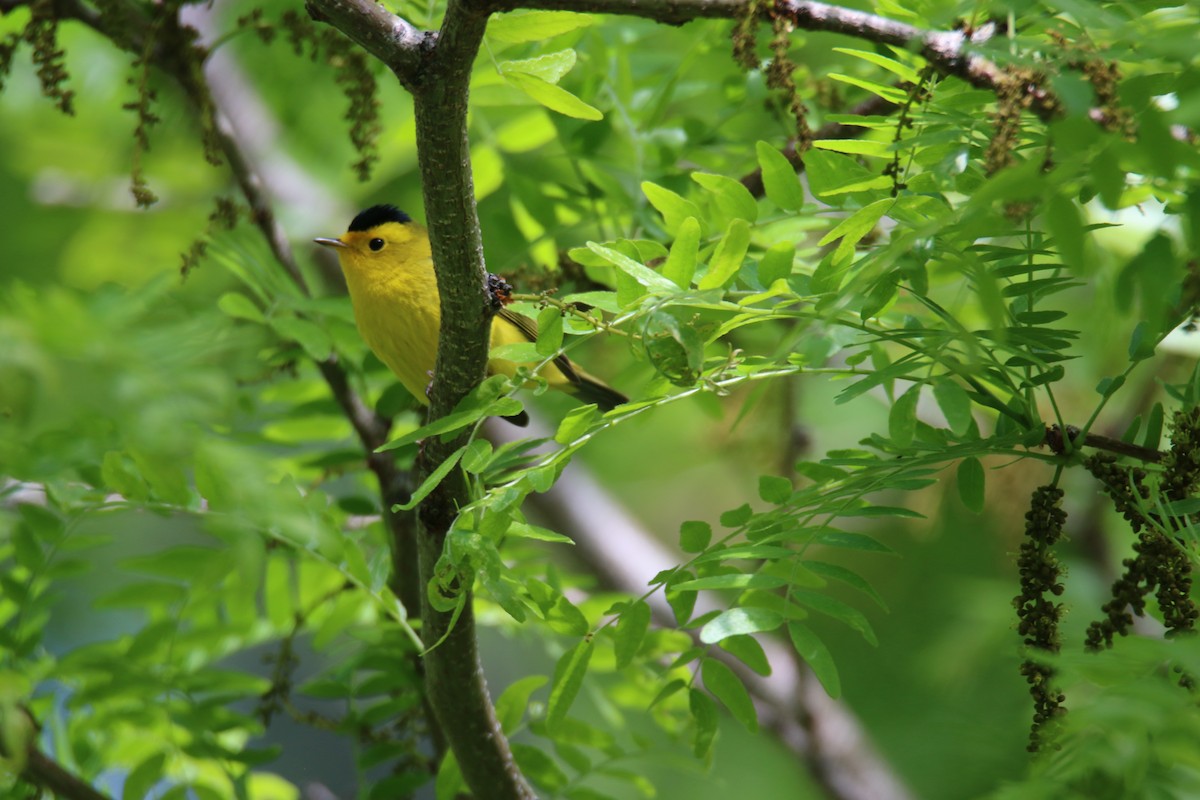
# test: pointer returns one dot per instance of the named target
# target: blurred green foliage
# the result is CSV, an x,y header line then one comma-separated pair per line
x,y
184,509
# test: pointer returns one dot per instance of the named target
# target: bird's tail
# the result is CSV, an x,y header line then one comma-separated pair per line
x,y
593,390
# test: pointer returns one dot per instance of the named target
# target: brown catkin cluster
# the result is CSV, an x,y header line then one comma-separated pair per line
x,y
780,71
224,217
745,35
1181,475
1181,466
41,33
1105,78
781,77
1014,96
1126,488
351,71
1160,564
1037,611
146,119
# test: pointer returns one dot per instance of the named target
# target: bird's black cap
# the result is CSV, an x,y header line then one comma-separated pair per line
x,y
377,215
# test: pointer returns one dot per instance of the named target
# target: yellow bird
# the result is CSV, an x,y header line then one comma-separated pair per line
x,y
389,272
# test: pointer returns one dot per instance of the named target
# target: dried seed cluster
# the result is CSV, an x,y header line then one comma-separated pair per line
x,y
1038,612
351,71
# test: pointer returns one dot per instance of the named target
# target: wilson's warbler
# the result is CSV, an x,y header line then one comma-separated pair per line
x,y
389,272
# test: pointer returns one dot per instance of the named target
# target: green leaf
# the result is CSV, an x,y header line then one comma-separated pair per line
x,y
309,335
575,424
739,621
141,780
728,257
449,785
729,689
639,272
902,71
704,714
517,27
955,404
524,530
747,650
512,702
742,552
120,476
517,352
485,399
666,691
550,67
732,198
971,484
673,348
568,679
856,147
1065,222
180,562
854,227
550,331
902,419
539,767
737,517
889,93
814,652
553,97
431,483
680,265
673,208
477,456
1154,427
239,306
776,263
839,573
832,174
631,632
774,489
694,536
832,607
733,580
780,181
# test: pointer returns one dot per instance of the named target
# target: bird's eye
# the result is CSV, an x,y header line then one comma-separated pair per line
x,y
375,244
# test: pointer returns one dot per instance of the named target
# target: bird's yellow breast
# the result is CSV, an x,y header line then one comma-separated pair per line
x,y
396,306
398,312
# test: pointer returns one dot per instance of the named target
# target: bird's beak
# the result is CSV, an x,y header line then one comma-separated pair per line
x,y
331,242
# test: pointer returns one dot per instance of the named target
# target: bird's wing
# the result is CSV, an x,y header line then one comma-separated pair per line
x,y
528,329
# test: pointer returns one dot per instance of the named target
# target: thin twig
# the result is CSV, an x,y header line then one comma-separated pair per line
x,y
1057,442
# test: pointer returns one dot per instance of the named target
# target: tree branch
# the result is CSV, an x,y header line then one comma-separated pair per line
x,y
391,39
949,52
671,12
454,679
46,773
